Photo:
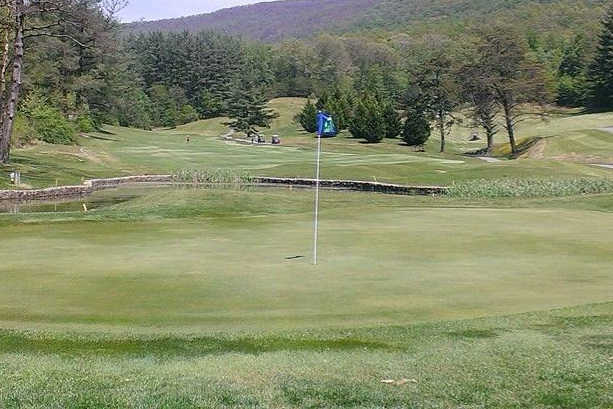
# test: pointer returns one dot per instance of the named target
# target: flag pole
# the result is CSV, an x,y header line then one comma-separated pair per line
x,y
316,216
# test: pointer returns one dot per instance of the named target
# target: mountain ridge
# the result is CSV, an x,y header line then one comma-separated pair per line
x,y
278,20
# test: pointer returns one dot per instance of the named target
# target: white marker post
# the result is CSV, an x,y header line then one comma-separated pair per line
x,y
316,217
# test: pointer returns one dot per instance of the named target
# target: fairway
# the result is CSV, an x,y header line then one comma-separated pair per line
x,y
222,259
570,143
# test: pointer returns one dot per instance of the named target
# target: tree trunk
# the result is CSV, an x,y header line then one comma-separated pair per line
x,y
8,114
5,63
490,141
510,126
441,129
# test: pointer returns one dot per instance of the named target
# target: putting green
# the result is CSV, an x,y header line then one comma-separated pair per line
x,y
218,259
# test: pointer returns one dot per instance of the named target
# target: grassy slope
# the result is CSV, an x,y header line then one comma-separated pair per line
x,y
146,304
126,151
559,359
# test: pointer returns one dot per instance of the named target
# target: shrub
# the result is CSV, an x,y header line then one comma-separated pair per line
x,y
49,123
188,114
393,122
368,122
85,124
134,110
23,131
416,129
307,118
213,176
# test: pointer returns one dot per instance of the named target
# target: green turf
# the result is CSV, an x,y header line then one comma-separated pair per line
x,y
170,258
184,298
123,151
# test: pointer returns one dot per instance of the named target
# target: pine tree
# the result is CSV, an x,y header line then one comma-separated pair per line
x,y
393,122
601,71
247,109
368,122
307,118
416,129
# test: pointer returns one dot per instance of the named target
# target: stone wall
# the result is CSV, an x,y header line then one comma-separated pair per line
x,y
90,186
357,185
97,184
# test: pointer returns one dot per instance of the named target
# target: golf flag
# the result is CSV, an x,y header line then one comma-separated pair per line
x,y
325,125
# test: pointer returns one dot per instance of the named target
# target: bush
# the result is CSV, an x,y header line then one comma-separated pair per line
x,y
416,129
49,123
85,124
368,122
529,188
133,109
572,91
188,114
213,176
23,131
393,122
307,118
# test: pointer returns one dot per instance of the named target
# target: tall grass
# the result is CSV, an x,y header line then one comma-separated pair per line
x,y
217,176
529,187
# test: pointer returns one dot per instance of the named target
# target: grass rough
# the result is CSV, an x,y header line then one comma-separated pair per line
x,y
529,188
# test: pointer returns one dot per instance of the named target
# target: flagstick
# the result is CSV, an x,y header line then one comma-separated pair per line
x,y
316,218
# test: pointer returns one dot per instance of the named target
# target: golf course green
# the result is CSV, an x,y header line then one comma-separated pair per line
x,y
186,297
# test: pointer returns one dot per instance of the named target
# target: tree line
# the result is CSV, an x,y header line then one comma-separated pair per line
x,y
68,68
497,72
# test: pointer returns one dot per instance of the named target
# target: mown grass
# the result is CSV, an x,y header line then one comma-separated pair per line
x,y
180,297
191,298
555,359
225,258
120,151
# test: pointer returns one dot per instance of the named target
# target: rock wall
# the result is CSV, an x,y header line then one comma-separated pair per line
x,y
357,185
90,186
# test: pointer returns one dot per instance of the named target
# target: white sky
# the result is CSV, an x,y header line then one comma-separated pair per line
x,y
159,9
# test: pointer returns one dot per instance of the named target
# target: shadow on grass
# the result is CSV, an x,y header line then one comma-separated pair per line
x,y
101,138
13,342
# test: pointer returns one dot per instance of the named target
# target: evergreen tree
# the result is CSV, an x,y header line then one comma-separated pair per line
x,y
339,104
601,71
416,129
307,118
393,122
247,109
368,122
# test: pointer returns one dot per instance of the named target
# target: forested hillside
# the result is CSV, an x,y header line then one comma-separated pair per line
x,y
398,69
300,18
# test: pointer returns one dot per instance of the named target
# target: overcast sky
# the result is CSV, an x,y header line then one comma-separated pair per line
x,y
158,9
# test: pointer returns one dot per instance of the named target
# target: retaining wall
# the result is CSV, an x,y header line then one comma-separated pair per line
x,y
357,185
90,186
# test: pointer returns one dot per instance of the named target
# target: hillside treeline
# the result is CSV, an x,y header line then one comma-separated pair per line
x,y
279,20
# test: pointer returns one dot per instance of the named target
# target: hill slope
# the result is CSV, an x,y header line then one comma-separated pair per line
x,y
273,21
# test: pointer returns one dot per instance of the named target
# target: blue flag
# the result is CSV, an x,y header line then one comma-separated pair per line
x,y
325,125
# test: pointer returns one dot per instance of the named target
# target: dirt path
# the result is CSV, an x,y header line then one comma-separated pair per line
x,y
608,129
488,159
